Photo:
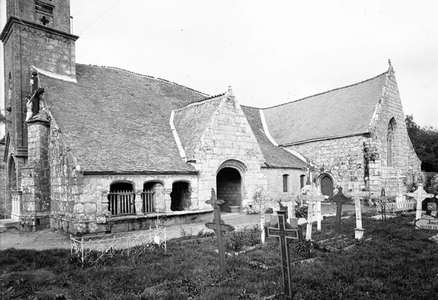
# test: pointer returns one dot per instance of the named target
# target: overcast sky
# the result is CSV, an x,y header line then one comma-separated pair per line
x,y
270,52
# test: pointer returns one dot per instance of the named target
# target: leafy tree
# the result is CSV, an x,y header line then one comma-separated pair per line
x,y
425,142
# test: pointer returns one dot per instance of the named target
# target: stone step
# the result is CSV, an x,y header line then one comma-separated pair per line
x,y
6,224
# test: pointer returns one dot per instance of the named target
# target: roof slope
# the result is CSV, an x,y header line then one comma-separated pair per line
x,y
117,121
275,157
191,121
337,113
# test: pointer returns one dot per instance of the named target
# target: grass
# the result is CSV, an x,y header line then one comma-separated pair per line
x,y
398,262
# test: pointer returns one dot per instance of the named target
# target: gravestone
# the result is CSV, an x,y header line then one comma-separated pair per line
x,y
285,235
423,221
358,231
340,200
432,203
219,227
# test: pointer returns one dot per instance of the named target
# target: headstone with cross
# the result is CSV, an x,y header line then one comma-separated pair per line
x,y
358,231
419,195
285,235
340,200
219,227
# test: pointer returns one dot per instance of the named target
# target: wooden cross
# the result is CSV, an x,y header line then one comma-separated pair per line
x,y
285,235
339,199
358,231
419,195
219,227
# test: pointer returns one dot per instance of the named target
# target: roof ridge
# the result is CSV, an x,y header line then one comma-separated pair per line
x,y
332,90
200,101
149,76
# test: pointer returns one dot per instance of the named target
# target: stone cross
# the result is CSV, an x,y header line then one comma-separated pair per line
x,y
310,216
419,195
285,235
219,227
358,231
340,200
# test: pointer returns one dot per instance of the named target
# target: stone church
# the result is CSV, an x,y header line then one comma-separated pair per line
x,y
99,149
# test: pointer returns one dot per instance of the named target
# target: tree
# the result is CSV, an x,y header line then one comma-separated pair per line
x,y
425,142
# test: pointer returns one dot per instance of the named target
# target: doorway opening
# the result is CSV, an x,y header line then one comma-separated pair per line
x,y
229,188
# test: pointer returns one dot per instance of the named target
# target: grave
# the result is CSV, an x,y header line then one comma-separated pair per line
x,y
219,227
285,235
423,221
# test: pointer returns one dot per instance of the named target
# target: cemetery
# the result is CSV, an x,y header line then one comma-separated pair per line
x,y
393,257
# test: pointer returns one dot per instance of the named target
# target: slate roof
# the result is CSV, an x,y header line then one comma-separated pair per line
x,y
337,113
275,157
117,121
191,121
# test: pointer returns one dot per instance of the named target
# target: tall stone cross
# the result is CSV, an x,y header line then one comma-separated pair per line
x,y
419,195
219,227
284,236
340,200
358,231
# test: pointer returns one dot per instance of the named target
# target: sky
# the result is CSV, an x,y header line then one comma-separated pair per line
x,y
270,52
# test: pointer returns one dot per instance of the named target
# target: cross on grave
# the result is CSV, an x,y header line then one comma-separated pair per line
x,y
316,199
219,227
285,235
419,195
340,200
358,231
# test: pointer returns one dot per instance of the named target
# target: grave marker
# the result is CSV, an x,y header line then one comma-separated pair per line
x,y
421,222
219,227
358,231
284,236
340,200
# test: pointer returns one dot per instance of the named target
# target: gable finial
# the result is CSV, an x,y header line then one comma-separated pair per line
x,y
389,62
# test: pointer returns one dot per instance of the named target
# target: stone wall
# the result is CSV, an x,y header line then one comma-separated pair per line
x,y
229,138
275,182
406,164
342,158
35,177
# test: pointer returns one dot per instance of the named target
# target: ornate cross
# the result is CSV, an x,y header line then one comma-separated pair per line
x,y
219,227
419,195
340,200
284,236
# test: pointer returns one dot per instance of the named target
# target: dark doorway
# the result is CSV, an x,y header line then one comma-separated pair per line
x,y
180,196
229,188
327,186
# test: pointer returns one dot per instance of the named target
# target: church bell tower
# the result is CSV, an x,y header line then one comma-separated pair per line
x,y
37,34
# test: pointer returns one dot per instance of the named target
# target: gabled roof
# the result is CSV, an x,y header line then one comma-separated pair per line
x,y
275,157
337,113
191,122
117,121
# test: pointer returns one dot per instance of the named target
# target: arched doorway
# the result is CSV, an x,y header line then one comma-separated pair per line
x,y
327,186
229,187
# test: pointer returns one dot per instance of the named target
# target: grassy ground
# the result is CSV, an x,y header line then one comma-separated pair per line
x,y
398,262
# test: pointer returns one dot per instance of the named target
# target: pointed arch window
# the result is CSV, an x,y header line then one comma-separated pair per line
x,y
390,142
